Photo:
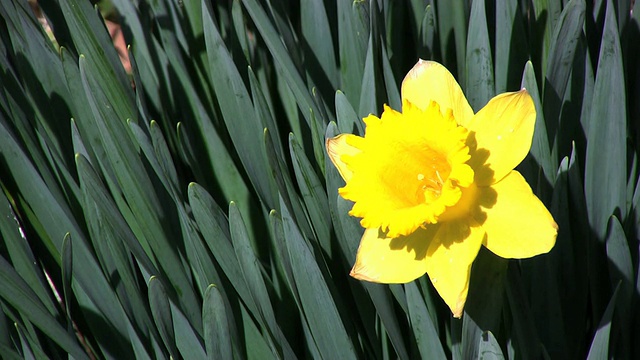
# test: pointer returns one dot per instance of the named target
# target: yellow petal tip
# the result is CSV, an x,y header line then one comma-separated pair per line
x,y
359,272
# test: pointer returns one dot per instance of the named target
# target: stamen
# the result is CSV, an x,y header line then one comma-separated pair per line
x,y
420,177
435,191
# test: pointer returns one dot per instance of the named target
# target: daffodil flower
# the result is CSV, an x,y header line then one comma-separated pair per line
x,y
434,182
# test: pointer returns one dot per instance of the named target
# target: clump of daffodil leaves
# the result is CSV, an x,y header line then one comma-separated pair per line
x,y
435,182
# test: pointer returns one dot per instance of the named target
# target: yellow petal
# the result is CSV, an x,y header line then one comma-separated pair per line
x,y
392,261
503,133
449,259
429,81
336,147
518,225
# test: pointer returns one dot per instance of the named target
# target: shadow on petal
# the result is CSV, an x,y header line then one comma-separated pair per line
x,y
417,242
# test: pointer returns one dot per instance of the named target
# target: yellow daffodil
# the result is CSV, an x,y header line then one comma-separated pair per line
x,y
434,182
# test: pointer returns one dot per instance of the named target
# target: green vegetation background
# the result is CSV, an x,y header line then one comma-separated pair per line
x,y
186,209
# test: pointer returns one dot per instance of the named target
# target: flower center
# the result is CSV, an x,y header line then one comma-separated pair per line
x,y
430,187
410,168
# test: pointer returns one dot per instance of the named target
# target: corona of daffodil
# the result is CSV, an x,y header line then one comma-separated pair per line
x,y
435,182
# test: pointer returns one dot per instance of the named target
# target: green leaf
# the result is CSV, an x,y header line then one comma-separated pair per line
x,y
579,230
139,350
541,28
37,67
67,276
383,303
346,117
216,328
318,124
523,327
511,46
198,256
320,61
488,348
281,56
164,156
286,188
562,51
144,141
480,86
427,35
10,354
142,207
28,346
103,61
252,272
54,219
353,31
257,347
423,328
368,91
543,276
187,340
18,294
236,107
325,323
313,194
265,113
50,212
93,150
483,308
621,272
599,348
21,255
115,243
606,159
281,254
540,150
392,92
103,218
240,28
453,17
214,226
161,311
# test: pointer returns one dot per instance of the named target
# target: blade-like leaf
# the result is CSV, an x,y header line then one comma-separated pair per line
x,y
510,46
523,328
599,348
607,138
17,293
562,51
346,117
320,62
353,30
92,40
214,226
423,328
480,87
236,107
621,272
325,323
488,348
540,150
484,301
312,193
161,311
216,329
281,56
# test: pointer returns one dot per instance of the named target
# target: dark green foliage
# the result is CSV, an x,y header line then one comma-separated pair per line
x,y
187,209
